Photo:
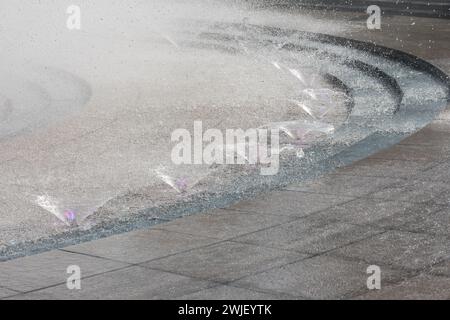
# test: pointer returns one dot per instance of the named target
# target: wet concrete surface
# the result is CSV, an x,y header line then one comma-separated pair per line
x,y
390,210
92,146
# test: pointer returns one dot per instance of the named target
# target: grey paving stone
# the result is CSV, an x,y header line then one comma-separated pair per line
x,y
50,268
422,287
6,293
344,185
224,224
320,277
142,245
225,261
428,153
309,236
416,191
432,135
290,203
385,168
434,223
440,172
224,292
132,283
378,213
436,133
401,249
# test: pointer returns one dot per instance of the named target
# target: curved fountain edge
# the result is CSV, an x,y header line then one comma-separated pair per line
x,y
391,54
206,201
386,52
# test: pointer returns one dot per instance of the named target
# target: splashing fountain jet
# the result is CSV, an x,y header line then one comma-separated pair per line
x,y
304,107
52,206
181,178
170,40
178,184
299,129
276,65
298,75
71,217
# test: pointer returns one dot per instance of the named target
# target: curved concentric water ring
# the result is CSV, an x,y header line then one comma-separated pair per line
x,y
370,75
361,66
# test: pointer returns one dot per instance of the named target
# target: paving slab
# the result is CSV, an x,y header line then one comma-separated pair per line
x,y
50,268
386,214
4,293
386,168
422,287
224,224
411,251
412,152
416,191
133,283
434,223
439,173
432,135
309,235
321,277
225,262
140,246
344,185
290,203
224,292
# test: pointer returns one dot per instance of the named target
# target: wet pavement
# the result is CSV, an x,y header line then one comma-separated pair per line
x,y
89,117
310,240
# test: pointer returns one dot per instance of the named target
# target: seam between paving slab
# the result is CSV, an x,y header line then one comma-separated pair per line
x,y
61,283
412,273
231,239
214,283
368,196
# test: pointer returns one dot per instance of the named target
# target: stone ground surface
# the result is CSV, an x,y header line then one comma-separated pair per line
x,y
314,240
